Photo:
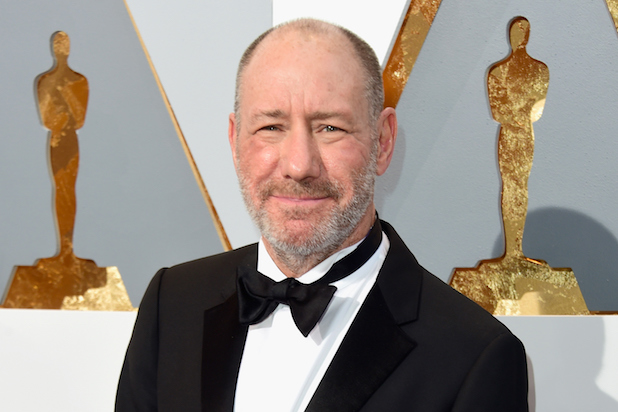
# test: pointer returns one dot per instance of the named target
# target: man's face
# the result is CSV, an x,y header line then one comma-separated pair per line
x,y
305,151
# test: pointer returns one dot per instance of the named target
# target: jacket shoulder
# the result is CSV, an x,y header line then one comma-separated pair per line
x,y
428,299
210,279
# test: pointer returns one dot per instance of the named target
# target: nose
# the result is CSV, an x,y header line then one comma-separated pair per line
x,y
300,156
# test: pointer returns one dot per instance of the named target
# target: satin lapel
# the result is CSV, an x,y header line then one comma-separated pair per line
x,y
372,349
375,344
222,346
223,343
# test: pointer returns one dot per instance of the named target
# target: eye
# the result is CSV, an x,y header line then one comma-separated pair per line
x,y
270,128
330,128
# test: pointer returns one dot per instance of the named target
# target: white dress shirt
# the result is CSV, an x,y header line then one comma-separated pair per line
x,y
280,368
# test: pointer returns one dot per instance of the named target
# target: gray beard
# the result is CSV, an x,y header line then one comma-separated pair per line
x,y
329,234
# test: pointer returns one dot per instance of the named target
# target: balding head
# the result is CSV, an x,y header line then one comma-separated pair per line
x,y
365,57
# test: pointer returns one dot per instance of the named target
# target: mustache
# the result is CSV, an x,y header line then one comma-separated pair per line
x,y
320,188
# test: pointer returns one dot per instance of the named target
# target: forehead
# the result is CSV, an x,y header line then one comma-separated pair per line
x,y
294,40
300,61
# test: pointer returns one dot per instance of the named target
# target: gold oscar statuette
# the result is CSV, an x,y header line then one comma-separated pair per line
x,y
515,284
65,281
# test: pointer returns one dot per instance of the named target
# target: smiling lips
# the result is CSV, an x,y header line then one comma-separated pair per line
x,y
300,200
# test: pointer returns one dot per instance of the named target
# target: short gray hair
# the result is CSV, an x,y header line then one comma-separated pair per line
x,y
374,88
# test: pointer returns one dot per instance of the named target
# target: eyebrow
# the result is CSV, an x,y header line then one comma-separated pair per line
x,y
326,115
270,114
318,115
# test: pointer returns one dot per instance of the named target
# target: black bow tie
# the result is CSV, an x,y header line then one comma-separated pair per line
x,y
258,295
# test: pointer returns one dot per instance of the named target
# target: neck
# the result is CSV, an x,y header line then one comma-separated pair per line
x,y
294,266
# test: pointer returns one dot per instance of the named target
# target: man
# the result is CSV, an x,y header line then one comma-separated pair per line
x,y
309,136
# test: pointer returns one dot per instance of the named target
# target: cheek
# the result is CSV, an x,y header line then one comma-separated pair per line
x,y
343,164
257,162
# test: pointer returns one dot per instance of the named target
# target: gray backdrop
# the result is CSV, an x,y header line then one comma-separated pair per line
x,y
139,206
443,190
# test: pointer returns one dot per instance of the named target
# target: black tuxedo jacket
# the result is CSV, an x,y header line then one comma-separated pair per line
x,y
415,345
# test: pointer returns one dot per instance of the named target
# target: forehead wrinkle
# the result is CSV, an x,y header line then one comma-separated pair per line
x,y
268,114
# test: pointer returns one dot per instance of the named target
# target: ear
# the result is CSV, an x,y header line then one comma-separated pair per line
x,y
232,134
387,129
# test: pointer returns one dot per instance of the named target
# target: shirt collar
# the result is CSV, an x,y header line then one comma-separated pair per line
x,y
267,266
